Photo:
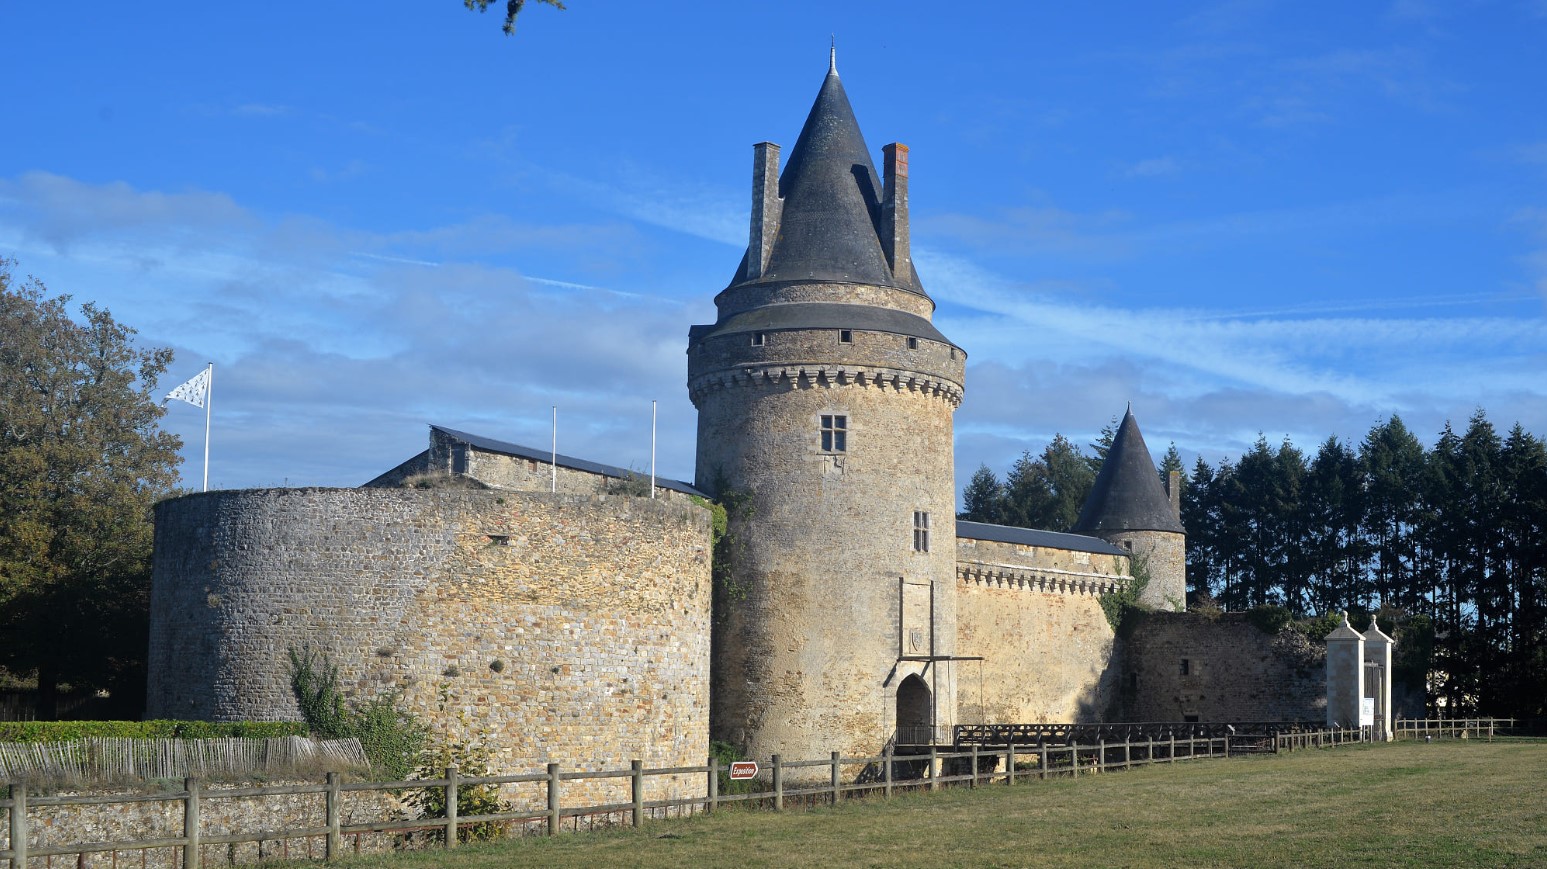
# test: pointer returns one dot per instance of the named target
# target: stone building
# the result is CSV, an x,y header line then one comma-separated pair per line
x,y
544,605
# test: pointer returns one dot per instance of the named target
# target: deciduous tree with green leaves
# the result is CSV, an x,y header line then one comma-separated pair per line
x,y
512,9
82,460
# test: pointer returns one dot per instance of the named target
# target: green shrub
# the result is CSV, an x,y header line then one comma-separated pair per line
x,y
1269,618
726,754
1122,606
70,731
391,738
472,799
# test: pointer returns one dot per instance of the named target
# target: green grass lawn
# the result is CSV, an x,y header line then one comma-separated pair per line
x,y
1406,804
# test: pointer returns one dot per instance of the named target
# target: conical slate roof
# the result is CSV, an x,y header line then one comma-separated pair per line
x,y
1127,495
832,203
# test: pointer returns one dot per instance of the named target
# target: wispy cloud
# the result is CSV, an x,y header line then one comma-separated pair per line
x,y
682,205
1153,167
260,110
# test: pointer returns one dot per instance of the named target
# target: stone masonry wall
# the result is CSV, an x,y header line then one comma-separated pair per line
x,y
546,627
1034,615
1165,557
1232,671
58,826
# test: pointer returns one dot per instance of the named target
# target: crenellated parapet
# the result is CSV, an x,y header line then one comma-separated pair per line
x,y
1051,580
825,376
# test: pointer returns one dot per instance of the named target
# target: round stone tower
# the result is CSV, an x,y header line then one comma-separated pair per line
x,y
1128,507
825,399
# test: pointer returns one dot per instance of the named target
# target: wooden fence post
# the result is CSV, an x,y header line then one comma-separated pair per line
x,y
1128,751
834,783
1101,756
1171,758
1009,763
451,806
886,759
974,760
335,846
934,760
190,824
553,799
778,784
714,783
637,790
19,825
1043,747
1074,758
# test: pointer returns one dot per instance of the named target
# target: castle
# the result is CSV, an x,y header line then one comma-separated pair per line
x,y
529,602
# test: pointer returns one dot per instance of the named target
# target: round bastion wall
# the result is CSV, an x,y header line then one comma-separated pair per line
x,y
546,627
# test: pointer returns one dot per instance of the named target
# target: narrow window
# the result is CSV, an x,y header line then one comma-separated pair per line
x,y
835,433
845,336
759,339
913,343
920,531
1186,667
1189,719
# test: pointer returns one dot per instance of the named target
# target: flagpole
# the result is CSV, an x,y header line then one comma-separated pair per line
x,y
554,486
652,449
209,402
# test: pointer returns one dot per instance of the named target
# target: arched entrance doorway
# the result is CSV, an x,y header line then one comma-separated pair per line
x,y
915,713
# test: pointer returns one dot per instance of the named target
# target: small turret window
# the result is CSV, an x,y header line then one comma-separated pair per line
x,y
845,336
913,343
835,433
759,339
920,531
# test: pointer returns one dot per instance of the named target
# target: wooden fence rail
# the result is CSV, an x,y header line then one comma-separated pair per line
x,y
785,780
1451,728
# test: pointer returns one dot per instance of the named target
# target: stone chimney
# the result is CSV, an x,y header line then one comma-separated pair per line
x,y
767,207
894,210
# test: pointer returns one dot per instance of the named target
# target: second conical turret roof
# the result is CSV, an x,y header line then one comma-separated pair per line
x,y
1127,495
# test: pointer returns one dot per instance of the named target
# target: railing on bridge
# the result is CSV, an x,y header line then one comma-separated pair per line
x,y
1242,733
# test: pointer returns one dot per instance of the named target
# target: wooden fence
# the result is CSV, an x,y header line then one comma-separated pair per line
x,y
1452,728
112,759
802,781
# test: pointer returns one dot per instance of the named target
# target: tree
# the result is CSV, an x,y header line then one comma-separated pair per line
x,y
1048,491
983,498
512,9
81,462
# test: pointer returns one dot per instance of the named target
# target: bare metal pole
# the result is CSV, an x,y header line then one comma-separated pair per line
x,y
554,485
209,402
652,449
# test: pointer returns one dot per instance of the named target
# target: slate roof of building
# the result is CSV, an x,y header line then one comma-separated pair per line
x,y
1034,537
828,230
822,315
1127,495
541,455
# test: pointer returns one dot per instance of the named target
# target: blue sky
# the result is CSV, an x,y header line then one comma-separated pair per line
x,y
1292,219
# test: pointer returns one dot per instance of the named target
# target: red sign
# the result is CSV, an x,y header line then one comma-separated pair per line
x,y
743,769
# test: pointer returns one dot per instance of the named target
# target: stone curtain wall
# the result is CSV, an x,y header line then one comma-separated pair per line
x,y
57,826
1235,672
547,627
1034,615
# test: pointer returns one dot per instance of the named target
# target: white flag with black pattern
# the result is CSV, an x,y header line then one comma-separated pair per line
x,y
194,391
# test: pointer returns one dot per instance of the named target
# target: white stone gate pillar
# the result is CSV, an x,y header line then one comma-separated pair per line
x,y
1377,650
1345,675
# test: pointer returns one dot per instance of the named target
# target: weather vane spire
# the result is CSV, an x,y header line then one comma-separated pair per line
x,y
832,56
